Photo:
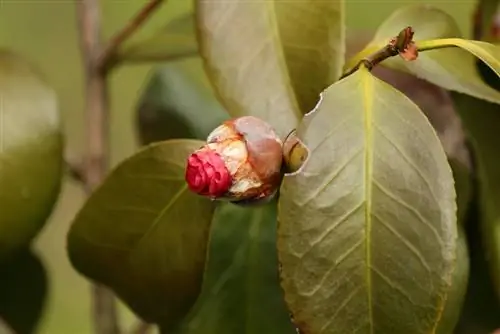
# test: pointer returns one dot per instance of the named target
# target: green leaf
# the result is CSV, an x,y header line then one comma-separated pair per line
x,y
450,67
144,234
178,102
271,59
463,186
23,290
174,41
241,292
368,228
30,134
482,128
454,303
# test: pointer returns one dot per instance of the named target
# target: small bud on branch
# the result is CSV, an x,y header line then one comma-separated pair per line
x,y
402,44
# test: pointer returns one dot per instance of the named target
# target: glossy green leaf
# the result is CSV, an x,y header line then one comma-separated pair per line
x,y
145,235
451,67
23,290
482,128
367,236
29,134
271,59
174,41
241,292
178,102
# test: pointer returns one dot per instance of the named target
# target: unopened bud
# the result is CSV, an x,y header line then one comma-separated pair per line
x,y
241,161
295,153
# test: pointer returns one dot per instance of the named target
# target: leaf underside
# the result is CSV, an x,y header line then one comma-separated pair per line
x,y
451,66
367,229
272,58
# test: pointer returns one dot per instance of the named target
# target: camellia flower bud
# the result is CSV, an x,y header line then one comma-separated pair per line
x,y
240,161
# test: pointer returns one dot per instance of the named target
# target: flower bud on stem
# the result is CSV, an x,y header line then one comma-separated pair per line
x,y
241,162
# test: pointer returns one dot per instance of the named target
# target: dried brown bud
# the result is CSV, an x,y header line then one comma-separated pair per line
x,y
410,53
252,154
295,153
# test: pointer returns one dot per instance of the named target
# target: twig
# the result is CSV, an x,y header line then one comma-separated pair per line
x,y
105,314
399,45
76,171
107,57
98,61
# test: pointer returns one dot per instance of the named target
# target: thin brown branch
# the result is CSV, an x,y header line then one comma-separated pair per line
x,y
75,171
106,58
400,45
96,158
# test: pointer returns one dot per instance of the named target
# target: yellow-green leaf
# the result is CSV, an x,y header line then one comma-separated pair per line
x,y
367,233
241,292
481,120
31,152
174,41
271,58
452,66
145,235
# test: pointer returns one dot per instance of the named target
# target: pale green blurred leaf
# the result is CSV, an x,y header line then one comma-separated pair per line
x,y
463,187
30,152
174,41
482,121
144,234
241,292
178,102
272,58
452,68
368,228
23,290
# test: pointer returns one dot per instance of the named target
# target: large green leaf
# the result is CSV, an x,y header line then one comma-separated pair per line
x,y
463,177
23,290
174,41
452,67
367,236
30,152
271,58
454,303
241,292
482,120
178,102
143,234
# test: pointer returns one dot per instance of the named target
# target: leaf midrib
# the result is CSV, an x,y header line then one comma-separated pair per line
x,y
158,218
367,88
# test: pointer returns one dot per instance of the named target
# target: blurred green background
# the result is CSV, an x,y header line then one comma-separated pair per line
x,y
45,32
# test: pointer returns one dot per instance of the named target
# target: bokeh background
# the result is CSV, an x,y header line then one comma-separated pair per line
x,y
45,32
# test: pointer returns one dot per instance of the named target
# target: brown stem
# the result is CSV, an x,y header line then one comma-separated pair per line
x,y
107,57
96,158
396,46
